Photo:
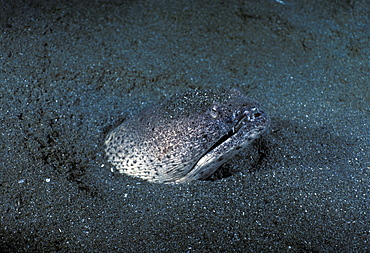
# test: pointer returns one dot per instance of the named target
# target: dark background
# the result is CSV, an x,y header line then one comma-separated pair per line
x,y
70,70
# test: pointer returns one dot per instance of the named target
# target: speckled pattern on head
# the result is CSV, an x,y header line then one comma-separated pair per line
x,y
187,137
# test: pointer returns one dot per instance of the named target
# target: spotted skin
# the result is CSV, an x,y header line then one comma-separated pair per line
x,y
187,137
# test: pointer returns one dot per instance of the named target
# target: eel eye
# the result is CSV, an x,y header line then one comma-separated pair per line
x,y
214,111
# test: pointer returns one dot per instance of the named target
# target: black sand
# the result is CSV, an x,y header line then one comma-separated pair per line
x,y
70,70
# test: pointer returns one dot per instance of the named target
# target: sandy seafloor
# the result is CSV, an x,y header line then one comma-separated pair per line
x,y
70,70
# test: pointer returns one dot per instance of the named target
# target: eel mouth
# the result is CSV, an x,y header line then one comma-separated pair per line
x,y
249,116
